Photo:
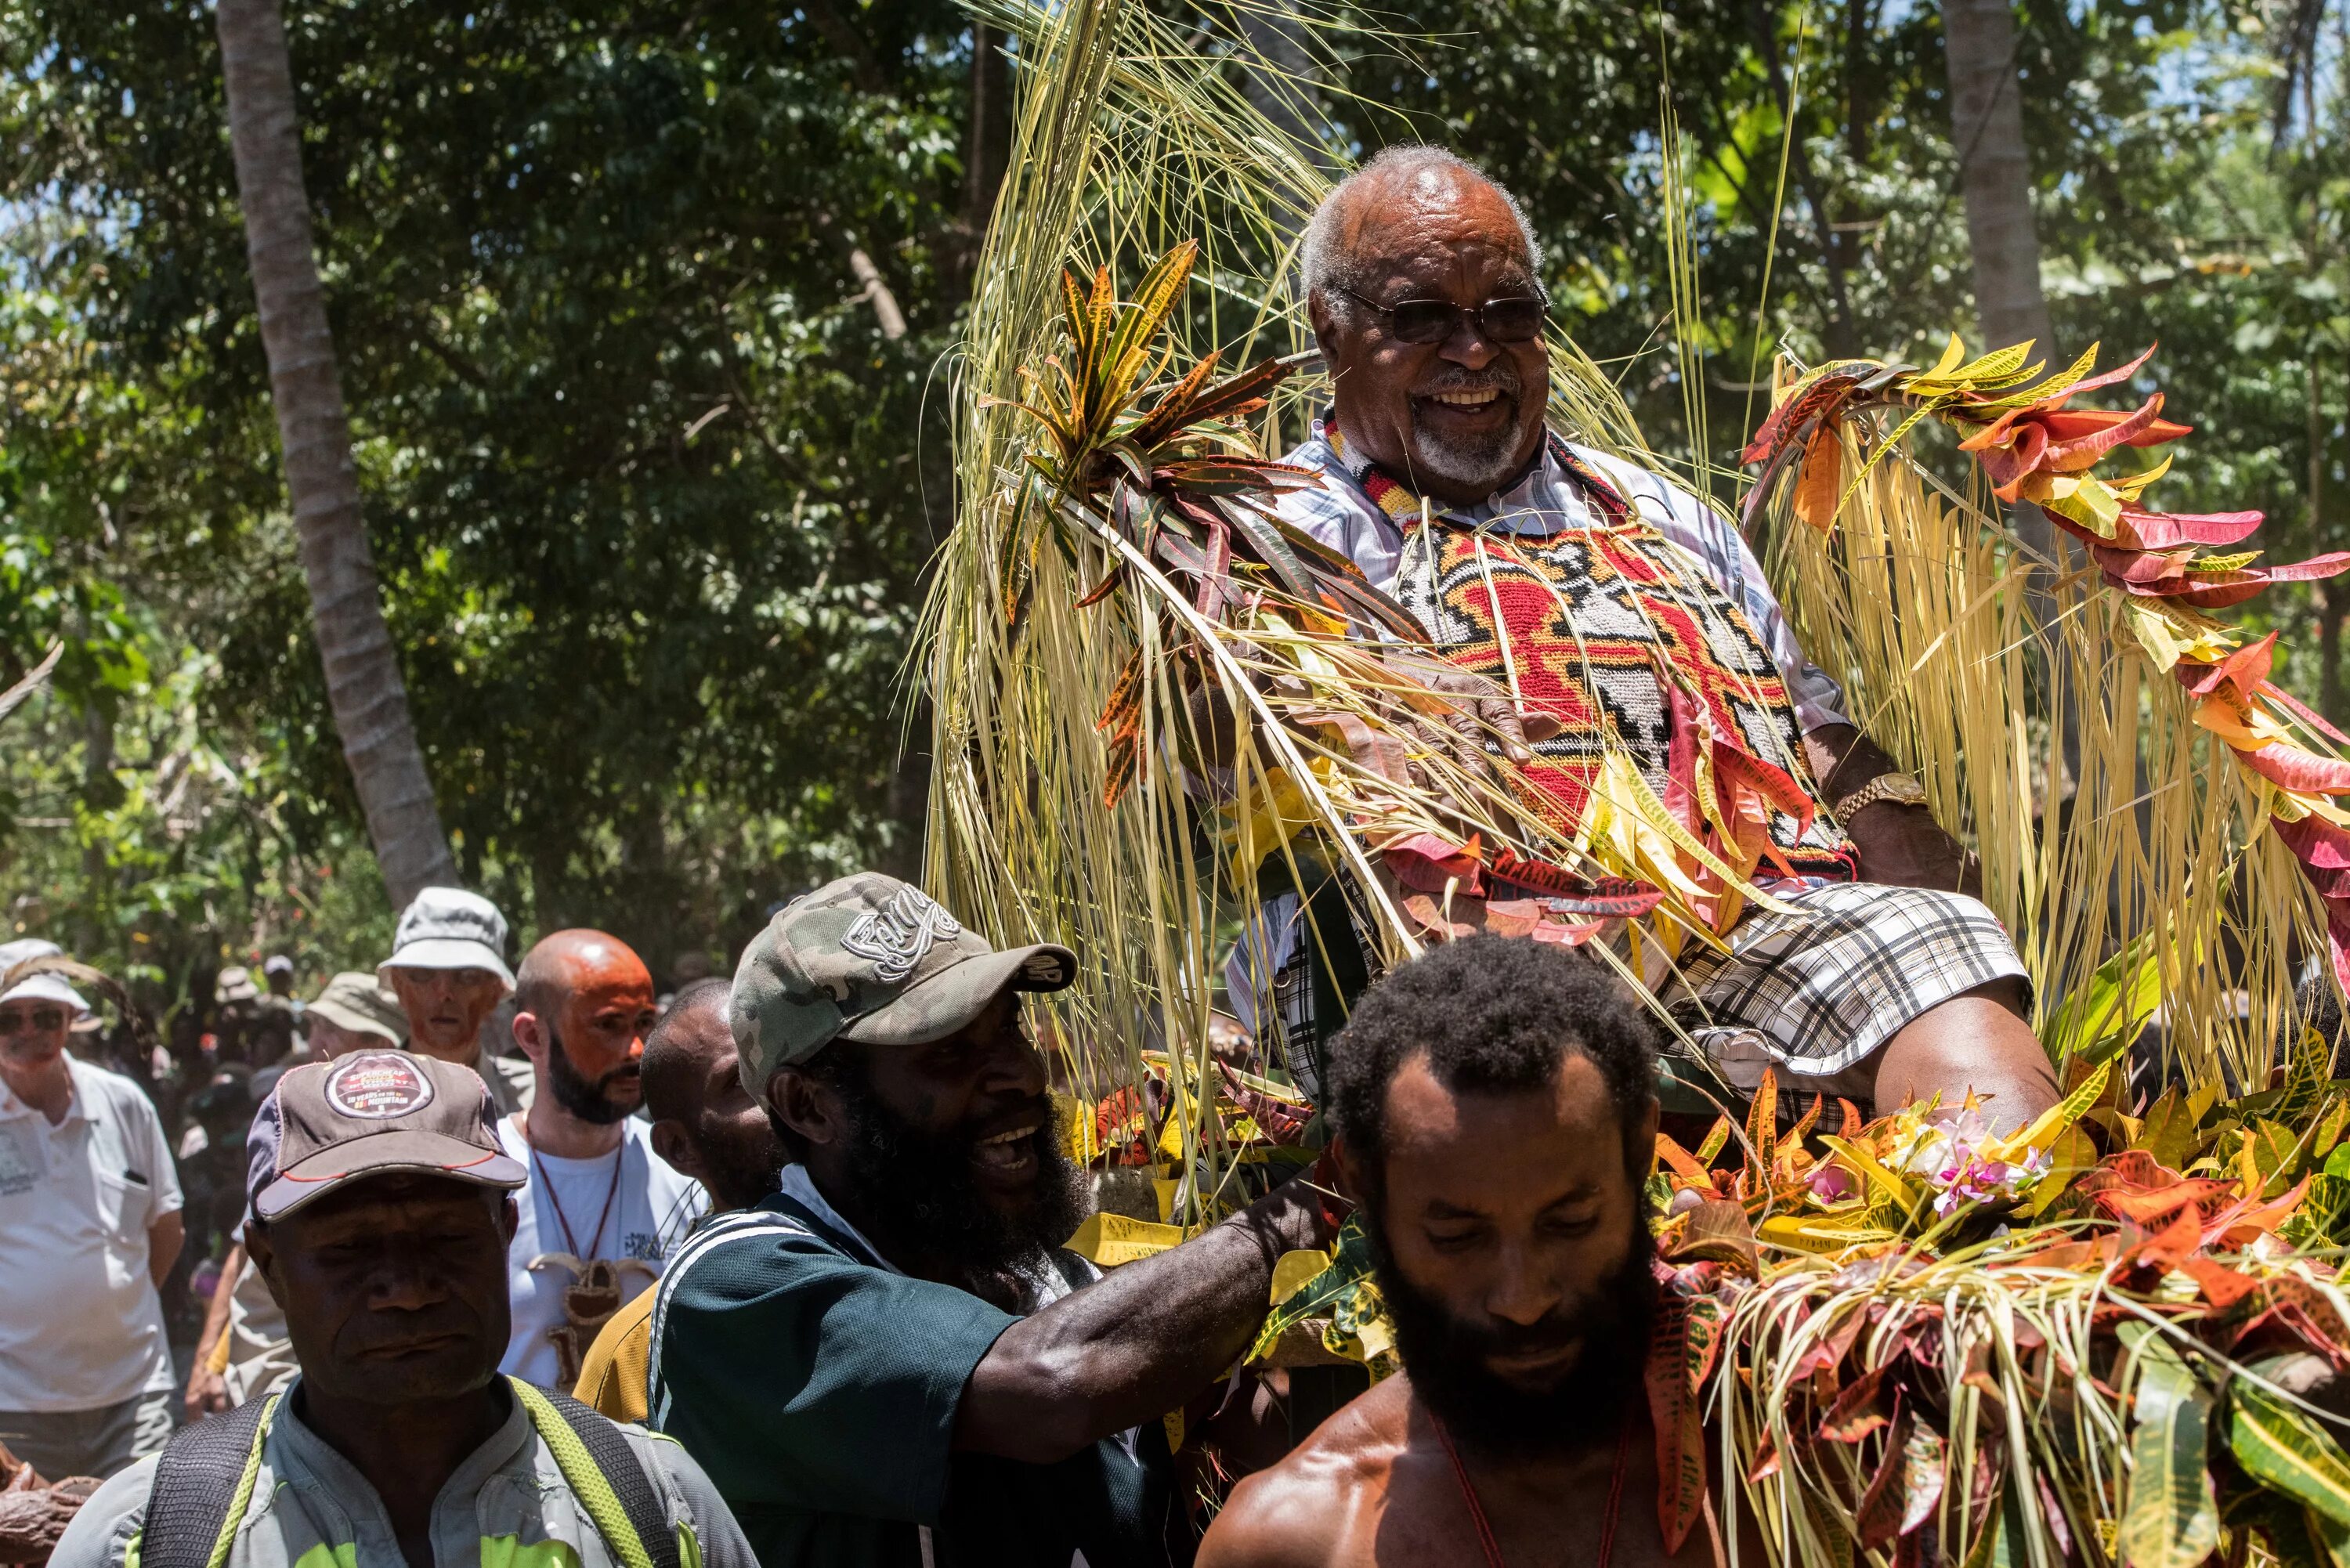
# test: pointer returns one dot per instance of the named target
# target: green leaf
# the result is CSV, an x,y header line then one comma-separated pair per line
x,y
2275,1151
2329,1129
2287,1530
1999,365
2318,1221
2285,1449
2169,1133
1328,1293
2328,1535
2171,1517
2305,1084
2099,1019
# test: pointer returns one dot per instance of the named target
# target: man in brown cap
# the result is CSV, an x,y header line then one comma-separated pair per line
x,y
381,1203
243,1349
891,1359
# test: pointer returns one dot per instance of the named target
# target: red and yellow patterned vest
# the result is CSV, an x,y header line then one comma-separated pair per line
x,y
1605,626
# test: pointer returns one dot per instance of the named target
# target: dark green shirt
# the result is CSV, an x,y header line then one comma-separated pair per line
x,y
818,1385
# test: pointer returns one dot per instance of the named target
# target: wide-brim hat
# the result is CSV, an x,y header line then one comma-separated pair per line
x,y
448,928
37,987
356,1000
446,952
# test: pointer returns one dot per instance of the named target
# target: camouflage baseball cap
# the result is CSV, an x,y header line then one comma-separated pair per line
x,y
870,959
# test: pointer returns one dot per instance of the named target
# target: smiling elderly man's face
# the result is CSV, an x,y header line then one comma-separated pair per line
x,y
1455,419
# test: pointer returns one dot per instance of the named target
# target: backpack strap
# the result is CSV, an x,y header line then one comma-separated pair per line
x,y
204,1484
604,1474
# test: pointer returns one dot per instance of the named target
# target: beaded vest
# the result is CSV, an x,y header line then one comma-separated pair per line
x,y
1604,625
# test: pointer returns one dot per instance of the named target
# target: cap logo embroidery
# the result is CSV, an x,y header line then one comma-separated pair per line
x,y
895,936
378,1087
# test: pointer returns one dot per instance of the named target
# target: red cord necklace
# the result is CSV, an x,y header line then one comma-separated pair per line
x,y
546,1184
1492,1548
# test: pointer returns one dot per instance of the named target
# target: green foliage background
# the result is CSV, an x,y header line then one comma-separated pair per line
x,y
651,494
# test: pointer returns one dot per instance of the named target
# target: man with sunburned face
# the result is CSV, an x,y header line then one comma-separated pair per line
x,y
890,1360
1495,1110
602,1210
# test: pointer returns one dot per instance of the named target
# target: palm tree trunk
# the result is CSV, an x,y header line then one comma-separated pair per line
x,y
363,683
1995,171
1282,85
1995,175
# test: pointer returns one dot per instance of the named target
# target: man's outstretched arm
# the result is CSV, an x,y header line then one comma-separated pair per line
x,y
1138,1343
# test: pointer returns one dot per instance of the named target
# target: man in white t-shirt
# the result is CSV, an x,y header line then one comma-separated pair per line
x,y
601,1211
90,1221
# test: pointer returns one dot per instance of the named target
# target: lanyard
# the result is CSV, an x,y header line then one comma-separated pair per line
x,y
1492,1548
570,1245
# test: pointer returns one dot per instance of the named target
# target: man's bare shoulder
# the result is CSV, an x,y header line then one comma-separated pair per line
x,y
1310,1510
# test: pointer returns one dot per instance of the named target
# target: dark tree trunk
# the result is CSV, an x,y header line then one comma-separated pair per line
x,y
363,683
1995,175
1995,171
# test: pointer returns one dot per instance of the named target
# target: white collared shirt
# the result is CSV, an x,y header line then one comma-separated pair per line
x,y
80,1324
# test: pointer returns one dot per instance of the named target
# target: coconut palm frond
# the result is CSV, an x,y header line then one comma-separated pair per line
x,y
2186,750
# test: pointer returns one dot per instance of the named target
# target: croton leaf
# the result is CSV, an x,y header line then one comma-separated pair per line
x,y
2171,1517
2282,1526
2285,1449
1688,1335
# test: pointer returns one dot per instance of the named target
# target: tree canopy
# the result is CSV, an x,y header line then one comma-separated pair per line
x,y
652,481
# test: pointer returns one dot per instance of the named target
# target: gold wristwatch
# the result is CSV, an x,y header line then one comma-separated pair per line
x,y
1901,789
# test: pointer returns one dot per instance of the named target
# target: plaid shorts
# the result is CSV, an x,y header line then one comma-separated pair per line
x,y
1815,991
1812,993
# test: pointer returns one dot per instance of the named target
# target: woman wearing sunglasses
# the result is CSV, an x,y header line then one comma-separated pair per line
x,y
90,1223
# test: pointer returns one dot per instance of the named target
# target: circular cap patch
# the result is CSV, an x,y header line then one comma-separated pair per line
x,y
378,1086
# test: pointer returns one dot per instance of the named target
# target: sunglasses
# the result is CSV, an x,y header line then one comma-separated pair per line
x,y
40,1021
1515,320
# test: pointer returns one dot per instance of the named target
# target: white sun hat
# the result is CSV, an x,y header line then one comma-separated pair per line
x,y
45,987
448,927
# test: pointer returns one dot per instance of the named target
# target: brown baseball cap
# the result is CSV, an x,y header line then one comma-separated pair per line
x,y
330,1122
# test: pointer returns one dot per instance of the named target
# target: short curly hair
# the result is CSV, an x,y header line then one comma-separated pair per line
x,y
1490,1014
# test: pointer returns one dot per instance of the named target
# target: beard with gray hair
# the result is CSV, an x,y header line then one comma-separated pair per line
x,y
1479,463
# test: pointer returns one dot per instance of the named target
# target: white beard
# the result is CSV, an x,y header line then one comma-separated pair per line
x,y
1480,465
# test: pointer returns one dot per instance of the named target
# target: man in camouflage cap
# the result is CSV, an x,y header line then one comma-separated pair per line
x,y
892,1359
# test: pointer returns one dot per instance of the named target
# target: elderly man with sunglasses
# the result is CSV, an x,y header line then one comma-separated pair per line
x,y
90,1221
1583,604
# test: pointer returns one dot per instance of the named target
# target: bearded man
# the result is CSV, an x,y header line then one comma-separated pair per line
x,y
1623,614
706,1125
1495,1107
891,1360
601,1210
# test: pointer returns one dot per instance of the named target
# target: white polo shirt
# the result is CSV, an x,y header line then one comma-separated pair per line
x,y
80,1324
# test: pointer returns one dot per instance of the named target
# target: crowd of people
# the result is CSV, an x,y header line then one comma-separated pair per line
x,y
809,1225
777,1272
